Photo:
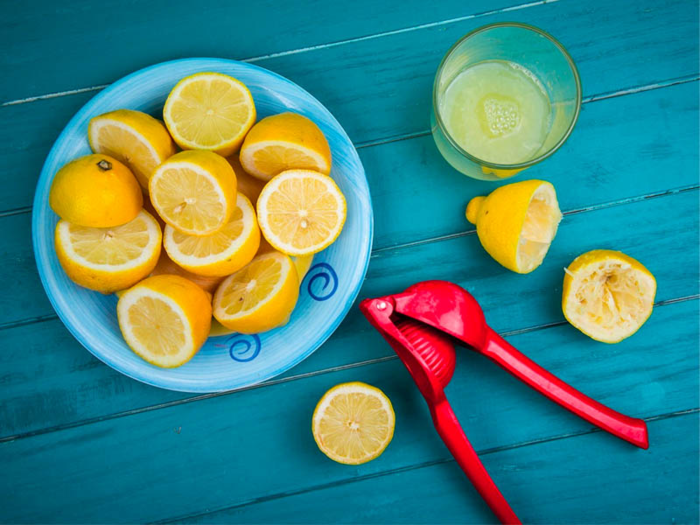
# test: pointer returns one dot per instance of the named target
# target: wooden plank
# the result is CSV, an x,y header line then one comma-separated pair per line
x,y
639,228
136,34
664,30
578,480
76,386
374,101
201,456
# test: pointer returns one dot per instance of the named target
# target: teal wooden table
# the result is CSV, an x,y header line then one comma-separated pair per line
x,y
80,443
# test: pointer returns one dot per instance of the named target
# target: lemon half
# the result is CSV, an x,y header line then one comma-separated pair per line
x,y
282,142
134,138
517,223
194,192
301,212
607,295
96,191
109,259
209,111
259,297
165,319
353,423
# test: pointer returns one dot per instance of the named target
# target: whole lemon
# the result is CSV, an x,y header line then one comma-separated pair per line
x,y
96,191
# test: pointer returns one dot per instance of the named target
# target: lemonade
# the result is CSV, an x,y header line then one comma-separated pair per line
x,y
497,111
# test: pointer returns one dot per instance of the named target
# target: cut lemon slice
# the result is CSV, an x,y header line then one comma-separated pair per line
x,y
109,259
282,142
134,138
301,212
607,295
353,423
260,296
302,265
209,111
220,253
194,192
517,223
165,319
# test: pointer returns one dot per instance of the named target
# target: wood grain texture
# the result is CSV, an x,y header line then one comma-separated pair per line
x,y
81,443
124,36
222,445
578,480
382,87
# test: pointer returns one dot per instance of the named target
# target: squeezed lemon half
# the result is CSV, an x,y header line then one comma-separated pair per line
x,y
607,295
517,223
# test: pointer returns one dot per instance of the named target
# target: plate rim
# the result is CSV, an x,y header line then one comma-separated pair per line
x,y
42,269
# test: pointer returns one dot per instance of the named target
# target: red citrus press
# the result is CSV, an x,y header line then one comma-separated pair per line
x,y
423,323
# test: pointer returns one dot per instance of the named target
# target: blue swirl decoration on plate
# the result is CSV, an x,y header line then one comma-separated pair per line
x,y
244,348
321,281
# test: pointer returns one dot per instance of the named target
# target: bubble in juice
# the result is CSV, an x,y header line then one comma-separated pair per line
x,y
498,111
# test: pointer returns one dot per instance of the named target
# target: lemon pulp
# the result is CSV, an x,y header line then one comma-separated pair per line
x,y
541,222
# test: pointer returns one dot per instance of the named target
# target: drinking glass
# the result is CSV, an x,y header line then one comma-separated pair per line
x,y
531,48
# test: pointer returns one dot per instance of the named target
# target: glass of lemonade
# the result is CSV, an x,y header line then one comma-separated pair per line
x,y
506,96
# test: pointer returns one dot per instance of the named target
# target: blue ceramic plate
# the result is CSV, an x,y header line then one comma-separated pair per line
x,y
225,362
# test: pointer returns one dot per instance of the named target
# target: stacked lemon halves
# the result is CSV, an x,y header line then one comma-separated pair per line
x,y
206,206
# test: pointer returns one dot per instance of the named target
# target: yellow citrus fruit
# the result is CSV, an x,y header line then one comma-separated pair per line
x,y
134,138
220,253
247,184
301,212
209,111
260,296
109,259
353,423
282,142
517,223
95,191
301,264
165,319
167,266
607,295
194,192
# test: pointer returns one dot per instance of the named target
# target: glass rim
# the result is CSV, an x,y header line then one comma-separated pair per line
x,y
550,151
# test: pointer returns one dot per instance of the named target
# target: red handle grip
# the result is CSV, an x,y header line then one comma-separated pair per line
x,y
625,427
452,434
